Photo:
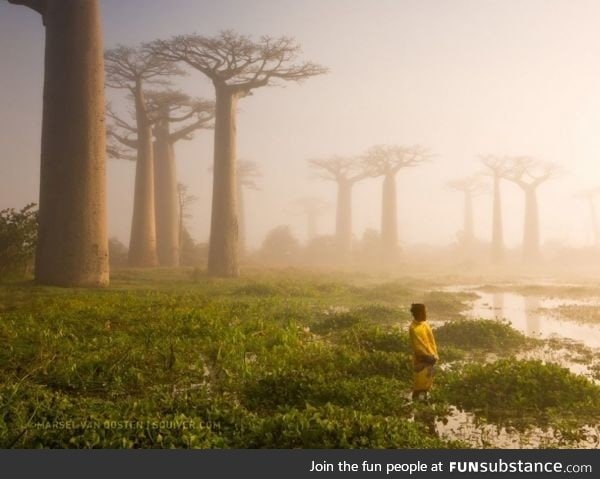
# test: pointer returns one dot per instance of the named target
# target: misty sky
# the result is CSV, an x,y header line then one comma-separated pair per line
x,y
461,77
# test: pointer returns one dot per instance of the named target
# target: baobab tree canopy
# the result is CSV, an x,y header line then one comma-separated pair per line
x,y
389,159
237,61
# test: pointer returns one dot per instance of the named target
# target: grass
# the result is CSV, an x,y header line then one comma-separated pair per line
x,y
168,358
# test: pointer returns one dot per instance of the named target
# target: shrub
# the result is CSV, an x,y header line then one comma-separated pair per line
x,y
18,238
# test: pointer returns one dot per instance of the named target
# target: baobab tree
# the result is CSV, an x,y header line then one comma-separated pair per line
x,y
387,161
131,69
589,196
72,247
247,174
469,187
175,117
529,174
497,167
236,65
164,109
346,172
310,207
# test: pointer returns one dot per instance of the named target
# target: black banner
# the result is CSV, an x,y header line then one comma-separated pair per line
x,y
290,464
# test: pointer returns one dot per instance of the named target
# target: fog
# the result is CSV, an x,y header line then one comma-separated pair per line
x,y
461,78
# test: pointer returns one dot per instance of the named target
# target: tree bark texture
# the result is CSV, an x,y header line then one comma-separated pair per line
x,y
223,254
166,200
142,244
72,247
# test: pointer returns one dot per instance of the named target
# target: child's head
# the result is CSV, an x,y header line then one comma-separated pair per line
x,y
418,311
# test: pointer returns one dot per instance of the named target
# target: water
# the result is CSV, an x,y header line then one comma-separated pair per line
x,y
533,316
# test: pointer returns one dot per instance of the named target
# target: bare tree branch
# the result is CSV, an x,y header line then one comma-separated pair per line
x,y
339,169
389,159
530,173
236,61
37,5
473,185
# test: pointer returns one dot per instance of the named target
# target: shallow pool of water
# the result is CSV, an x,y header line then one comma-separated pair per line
x,y
532,315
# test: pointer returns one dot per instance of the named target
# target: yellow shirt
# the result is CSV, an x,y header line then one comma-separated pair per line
x,y
421,340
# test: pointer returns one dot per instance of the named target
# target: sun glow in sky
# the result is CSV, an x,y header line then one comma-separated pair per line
x,y
462,78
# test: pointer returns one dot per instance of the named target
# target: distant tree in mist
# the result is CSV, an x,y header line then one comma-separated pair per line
x,y
236,65
117,253
497,167
191,253
72,246
346,172
248,172
311,208
530,174
469,187
280,246
589,196
132,69
387,161
184,202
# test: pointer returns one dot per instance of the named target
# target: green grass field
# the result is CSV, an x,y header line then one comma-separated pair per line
x,y
275,359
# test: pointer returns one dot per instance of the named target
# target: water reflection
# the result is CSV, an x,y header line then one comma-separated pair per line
x,y
498,305
532,316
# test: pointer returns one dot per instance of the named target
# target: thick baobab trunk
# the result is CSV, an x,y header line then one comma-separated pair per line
x,y
241,220
389,218
72,245
142,244
497,229
531,231
343,224
223,246
166,201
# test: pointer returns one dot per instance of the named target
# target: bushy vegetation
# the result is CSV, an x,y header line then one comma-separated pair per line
x,y
522,393
125,366
482,335
270,360
18,237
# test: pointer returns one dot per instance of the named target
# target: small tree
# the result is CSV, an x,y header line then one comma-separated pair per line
x,y
248,172
184,200
280,246
18,239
